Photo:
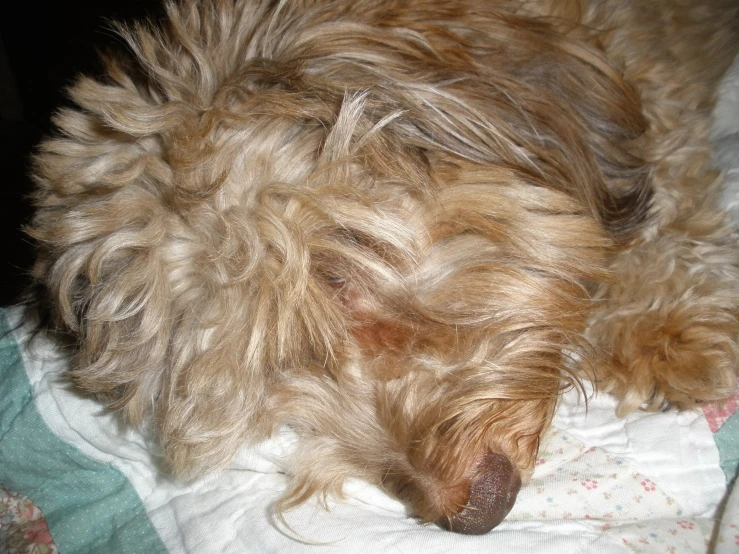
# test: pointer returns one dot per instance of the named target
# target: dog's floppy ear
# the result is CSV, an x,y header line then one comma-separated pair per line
x,y
178,308
138,267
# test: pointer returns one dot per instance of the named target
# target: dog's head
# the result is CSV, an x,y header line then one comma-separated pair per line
x,y
378,226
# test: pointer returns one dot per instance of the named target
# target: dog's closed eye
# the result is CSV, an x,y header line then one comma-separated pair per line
x,y
336,281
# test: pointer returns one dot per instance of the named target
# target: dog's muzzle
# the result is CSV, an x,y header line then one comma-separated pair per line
x,y
493,492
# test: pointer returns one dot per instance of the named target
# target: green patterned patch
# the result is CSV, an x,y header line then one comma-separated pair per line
x,y
727,441
89,506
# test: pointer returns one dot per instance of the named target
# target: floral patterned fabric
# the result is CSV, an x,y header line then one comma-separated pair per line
x,y
727,536
23,528
598,486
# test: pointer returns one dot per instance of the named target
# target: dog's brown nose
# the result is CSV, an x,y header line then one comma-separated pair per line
x,y
493,491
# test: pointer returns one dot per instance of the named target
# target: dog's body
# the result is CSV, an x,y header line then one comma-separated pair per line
x,y
400,227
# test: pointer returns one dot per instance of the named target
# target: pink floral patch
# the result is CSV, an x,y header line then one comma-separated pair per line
x,y
688,525
590,484
648,485
23,527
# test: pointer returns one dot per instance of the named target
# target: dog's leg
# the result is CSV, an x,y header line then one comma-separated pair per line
x,y
668,327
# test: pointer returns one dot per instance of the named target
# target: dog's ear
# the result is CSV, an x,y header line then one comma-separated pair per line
x,y
180,308
170,311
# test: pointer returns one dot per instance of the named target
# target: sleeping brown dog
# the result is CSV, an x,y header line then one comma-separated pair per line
x,y
400,227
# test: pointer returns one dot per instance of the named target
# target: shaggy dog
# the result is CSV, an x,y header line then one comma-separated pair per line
x,y
400,227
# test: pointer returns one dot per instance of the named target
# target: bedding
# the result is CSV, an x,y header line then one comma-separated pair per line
x,y
73,480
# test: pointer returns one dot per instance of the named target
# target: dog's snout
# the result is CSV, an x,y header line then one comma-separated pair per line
x,y
493,492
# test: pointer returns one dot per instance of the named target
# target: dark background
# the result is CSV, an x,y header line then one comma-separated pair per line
x,y
43,46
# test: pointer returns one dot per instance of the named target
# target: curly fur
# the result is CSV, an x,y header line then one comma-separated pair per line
x,y
400,227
